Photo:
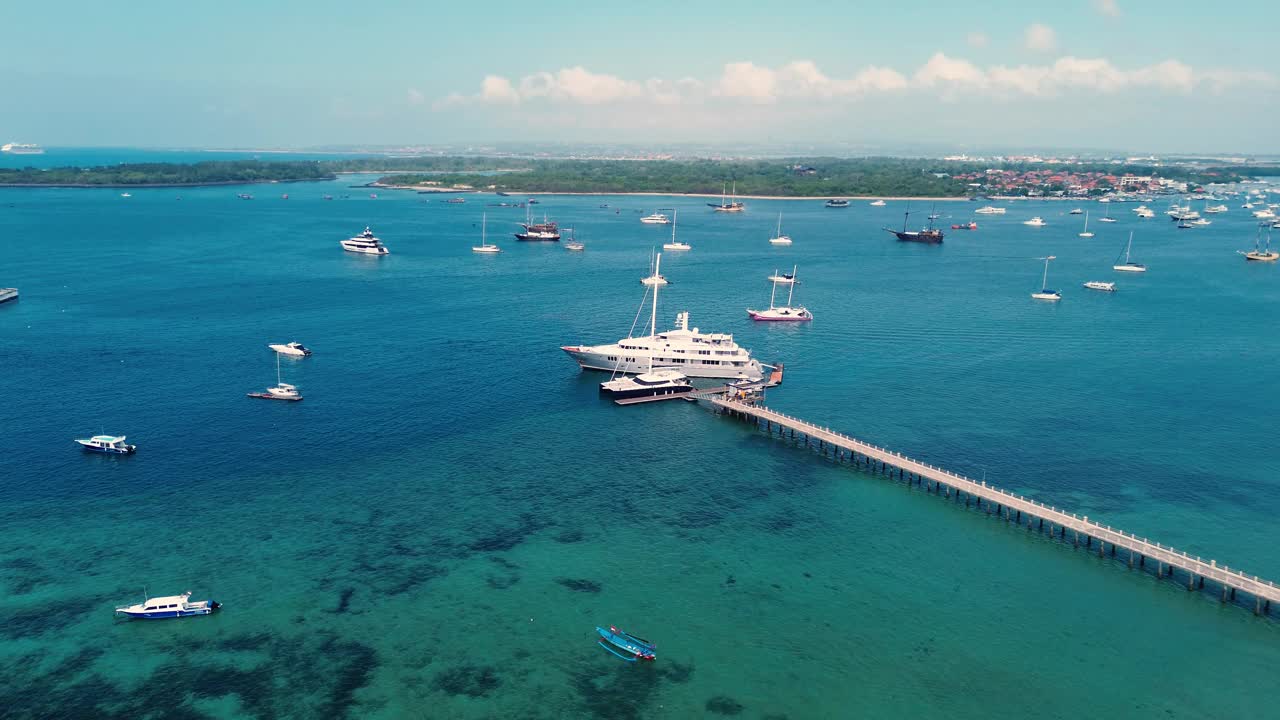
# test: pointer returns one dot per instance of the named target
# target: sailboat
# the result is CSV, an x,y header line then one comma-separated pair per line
x,y
656,278
573,243
1261,252
1128,265
784,313
1107,218
1045,293
732,205
281,390
675,244
484,246
1086,233
930,234
778,238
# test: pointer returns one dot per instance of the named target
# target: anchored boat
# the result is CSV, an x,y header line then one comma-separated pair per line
x,y
171,606
625,645
109,444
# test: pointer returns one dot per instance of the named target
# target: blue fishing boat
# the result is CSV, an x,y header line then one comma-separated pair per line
x,y
173,606
625,645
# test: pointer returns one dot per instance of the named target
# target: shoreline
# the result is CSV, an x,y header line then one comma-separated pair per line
x,y
430,189
212,183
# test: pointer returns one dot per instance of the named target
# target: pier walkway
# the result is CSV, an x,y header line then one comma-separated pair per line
x,y
1014,507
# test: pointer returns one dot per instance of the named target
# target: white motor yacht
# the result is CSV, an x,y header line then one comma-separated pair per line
x,y
659,381
1201,222
173,606
1145,212
295,349
1036,221
364,243
108,444
1076,211
696,354
1265,214
989,210
1099,285
7,294
656,219
877,203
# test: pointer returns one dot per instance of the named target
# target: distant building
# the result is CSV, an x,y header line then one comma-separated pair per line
x,y
1134,180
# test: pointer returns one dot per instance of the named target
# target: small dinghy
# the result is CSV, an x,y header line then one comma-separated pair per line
x,y
625,645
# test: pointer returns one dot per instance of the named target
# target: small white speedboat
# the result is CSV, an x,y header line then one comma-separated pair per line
x,y
877,203
1099,285
108,444
171,606
656,219
1036,221
296,349
659,381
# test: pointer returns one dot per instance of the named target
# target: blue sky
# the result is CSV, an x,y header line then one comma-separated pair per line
x,y
1117,74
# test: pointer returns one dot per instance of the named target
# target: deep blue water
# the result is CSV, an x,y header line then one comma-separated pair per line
x,y
437,528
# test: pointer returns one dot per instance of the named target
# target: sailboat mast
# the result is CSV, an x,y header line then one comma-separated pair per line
x,y
778,233
905,216
792,290
653,314
1044,281
484,218
1086,221
1127,247
774,291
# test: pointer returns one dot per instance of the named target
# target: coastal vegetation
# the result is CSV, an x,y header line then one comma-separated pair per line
x,y
796,177
167,174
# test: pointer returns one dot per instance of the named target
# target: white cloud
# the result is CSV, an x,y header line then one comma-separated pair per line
x,y
1040,37
1107,7
977,39
802,80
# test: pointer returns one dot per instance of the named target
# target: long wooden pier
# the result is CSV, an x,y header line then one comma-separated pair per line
x,y
1139,550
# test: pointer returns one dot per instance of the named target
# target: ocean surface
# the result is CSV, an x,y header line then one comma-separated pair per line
x,y
436,530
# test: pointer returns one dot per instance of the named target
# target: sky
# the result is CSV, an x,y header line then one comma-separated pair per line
x,y
1125,75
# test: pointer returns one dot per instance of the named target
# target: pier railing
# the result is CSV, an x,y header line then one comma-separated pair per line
x,y
1196,568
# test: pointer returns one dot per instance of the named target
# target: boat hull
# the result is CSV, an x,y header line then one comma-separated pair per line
x,y
365,251
205,608
647,392
640,362
626,646
269,396
7,294
927,238
523,237
764,316
127,450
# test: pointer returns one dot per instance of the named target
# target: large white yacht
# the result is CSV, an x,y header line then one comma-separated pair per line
x,y
656,219
692,352
365,243
989,210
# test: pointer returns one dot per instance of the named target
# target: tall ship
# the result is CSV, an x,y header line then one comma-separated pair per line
x,y
928,234
729,204
22,149
547,230
692,352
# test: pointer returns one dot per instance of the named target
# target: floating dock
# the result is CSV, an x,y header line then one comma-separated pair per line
x,y
734,390
1015,508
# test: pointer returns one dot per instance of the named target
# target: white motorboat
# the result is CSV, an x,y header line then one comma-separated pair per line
x,y
173,606
696,354
1128,265
7,294
654,278
1036,221
1201,222
1215,209
295,349
1045,293
656,219
107,444
877,203
1265,214
1076,211
1085,233
675,244
1145,212
778,238
784,313
659,381
1099,285
484,246
126,195
782,278
989,210
364,243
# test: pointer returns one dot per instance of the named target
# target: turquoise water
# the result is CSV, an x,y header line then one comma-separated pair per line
x,y
437,528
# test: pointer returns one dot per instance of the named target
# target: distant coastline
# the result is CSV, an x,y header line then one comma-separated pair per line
x,y
211,183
